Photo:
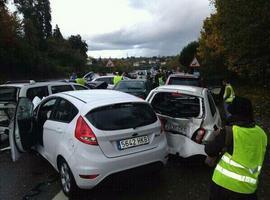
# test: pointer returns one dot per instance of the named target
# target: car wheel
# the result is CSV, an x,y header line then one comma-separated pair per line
x,y
68,183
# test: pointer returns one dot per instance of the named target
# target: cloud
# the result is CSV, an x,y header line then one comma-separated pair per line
x,y
172,25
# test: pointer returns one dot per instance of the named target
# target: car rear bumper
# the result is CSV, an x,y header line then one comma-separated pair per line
x,y
81,164
183,146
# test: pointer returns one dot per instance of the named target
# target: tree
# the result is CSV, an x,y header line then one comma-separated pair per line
x,y
57,33
188,52
235,37
77,43
211,51
39,12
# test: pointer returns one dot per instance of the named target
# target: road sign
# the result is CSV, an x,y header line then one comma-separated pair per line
x,y
195,63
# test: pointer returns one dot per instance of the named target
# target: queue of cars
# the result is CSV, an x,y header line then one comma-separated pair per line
x,y
89,135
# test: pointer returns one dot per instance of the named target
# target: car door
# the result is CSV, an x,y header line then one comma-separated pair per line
x,y
21,135
212,121
55,128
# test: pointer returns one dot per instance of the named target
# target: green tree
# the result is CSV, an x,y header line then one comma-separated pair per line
x,y
211,51
246,35
57,33
188,52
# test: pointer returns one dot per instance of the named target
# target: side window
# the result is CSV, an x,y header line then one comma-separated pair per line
x,y
37,91
100,79
65,111
110,81
46,110
61,88
212,105
80,87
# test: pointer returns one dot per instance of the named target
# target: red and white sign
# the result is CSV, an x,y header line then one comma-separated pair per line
x,y
195,63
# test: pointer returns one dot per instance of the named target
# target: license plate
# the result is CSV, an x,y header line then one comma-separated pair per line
x,y
174,127
133,142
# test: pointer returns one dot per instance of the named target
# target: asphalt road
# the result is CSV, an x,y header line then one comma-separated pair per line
x,y
32,177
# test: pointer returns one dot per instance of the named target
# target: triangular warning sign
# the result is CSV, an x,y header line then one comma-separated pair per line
x,y
195,63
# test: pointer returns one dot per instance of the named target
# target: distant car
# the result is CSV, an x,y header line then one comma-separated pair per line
x,y
184,79
90,76
136,87
13,90
142,74
189,116
83,136
108,80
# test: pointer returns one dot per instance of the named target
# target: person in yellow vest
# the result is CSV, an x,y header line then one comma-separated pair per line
x,y
81,81
241,146
117,78
228,96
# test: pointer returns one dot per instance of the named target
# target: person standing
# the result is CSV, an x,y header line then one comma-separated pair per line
x,y
242,146
80,81
228,96
117,78
73,76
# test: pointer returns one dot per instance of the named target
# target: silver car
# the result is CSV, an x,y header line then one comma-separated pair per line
x,y
189,116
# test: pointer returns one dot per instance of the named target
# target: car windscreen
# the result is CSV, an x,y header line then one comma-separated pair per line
x,y
176,105
184,81
130,85
8,93
122,116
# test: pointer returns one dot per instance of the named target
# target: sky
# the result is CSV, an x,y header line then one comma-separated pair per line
x,y
121,28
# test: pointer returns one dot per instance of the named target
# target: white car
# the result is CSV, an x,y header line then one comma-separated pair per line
x,y
189,116
12,91
89,135
108,80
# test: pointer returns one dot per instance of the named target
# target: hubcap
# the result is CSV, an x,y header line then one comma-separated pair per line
x,y
65,177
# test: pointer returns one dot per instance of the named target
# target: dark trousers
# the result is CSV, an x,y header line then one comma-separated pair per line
x,y
220,193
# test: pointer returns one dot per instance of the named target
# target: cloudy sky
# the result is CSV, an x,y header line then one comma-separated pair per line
x,y
120,28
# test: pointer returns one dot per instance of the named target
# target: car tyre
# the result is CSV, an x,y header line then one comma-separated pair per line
x,y
68,183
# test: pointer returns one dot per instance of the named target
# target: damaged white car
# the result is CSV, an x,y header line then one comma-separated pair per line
x,y
189,116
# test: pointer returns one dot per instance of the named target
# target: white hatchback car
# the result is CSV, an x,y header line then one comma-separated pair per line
x,y
89,135
189,116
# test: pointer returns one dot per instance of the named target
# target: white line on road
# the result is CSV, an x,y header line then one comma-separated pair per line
x,y
60,196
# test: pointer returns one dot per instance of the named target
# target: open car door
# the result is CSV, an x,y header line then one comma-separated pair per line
x,y
21,136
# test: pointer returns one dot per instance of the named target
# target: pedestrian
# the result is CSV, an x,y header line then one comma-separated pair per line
x,y
80,81
117,78
241,146
73,76
227,97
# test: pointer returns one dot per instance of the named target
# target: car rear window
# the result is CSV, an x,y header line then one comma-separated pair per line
x,y
8,93
184,81
122,116
177,105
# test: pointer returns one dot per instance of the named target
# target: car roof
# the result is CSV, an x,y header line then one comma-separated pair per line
x,y
91,96
109,76
184,75
183,88
38,84
134,80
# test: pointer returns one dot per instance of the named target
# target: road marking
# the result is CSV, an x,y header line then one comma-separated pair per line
x,y
60,196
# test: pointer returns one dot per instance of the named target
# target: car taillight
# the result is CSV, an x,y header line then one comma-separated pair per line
x,y
199,135
84,133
